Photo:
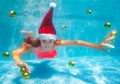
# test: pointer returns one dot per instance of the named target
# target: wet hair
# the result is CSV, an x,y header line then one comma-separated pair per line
x,y
33,42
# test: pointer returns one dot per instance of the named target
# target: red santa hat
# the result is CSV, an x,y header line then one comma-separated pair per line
x,y
47,30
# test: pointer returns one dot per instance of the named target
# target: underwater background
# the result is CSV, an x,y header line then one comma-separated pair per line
x,y
91,66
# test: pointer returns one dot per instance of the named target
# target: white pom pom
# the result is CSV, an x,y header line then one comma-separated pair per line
x,y
52,4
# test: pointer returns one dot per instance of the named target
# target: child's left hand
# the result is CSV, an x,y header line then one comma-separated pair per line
x,y
29,33
106,44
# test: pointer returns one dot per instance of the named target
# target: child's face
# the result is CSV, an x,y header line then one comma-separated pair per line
x,y
47,44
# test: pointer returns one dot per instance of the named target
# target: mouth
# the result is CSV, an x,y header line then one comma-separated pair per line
x,y
46,46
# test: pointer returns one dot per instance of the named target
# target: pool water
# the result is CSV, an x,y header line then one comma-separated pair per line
x,y
92,70
91,66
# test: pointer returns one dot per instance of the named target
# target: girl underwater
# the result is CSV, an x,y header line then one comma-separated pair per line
x,y
45,45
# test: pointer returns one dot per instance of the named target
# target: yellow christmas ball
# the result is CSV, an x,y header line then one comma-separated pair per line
x,y
89,11
26,75
113,33
12,13
107,25
71,63
23,69
6,54
64,27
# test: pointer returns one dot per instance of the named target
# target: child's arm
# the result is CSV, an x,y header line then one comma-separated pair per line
x,y
17,53
77,42
88,44
100,46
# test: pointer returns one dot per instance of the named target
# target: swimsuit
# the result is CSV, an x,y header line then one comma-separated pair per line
x,y
49,54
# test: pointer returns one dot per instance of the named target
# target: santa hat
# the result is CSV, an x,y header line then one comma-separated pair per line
x,y
47,30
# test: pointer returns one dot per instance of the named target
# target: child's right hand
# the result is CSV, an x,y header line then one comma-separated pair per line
x,y
24,65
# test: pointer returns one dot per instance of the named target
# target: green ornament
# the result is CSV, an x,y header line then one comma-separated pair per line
x,y
26,75
23,69
12,13
113,34
107,25
89,11
64,27
6,54
71,63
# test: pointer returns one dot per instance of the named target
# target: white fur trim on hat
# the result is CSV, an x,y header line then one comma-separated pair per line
x,y
47,36
52,4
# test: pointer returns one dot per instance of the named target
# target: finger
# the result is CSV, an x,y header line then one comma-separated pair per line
x,y
108,45
28,68
22,31
111,38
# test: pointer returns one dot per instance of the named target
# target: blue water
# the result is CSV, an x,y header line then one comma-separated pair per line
x,y
91,66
